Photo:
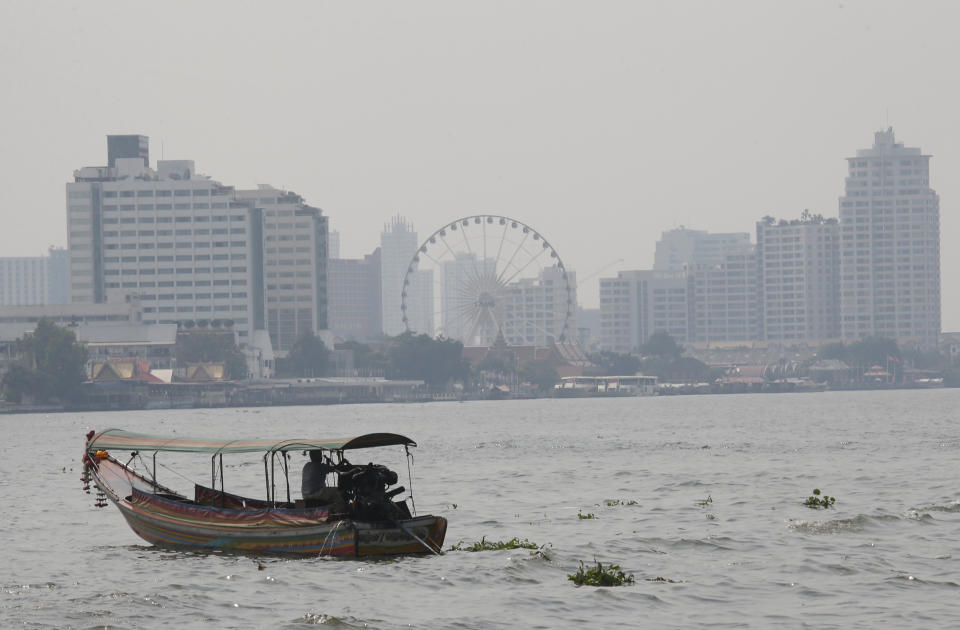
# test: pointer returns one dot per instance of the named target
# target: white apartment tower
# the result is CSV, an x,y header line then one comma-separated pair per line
x,y
799,264
637,304
178,240
890,245
681,248
294,264
541,311
34,280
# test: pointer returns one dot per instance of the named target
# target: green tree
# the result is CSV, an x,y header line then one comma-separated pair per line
x,y
615,363
52,366
308,357
420,357
365,357
661,344
835,350
542,373
211,346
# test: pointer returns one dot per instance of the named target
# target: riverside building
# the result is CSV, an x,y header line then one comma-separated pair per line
x,y
182,242
637,304
799,265
353,290
890,245
294,262
34,280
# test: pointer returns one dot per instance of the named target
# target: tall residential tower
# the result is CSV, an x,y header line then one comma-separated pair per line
x,y
890,245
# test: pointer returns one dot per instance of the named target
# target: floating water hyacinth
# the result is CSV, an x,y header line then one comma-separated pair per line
x,y
483,545
611,575
817,502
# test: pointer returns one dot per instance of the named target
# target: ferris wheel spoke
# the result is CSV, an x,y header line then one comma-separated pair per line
x,y
521,269
503,238
512,256
473,257
483,228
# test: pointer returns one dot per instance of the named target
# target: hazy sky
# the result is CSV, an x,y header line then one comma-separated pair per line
x,y
600,124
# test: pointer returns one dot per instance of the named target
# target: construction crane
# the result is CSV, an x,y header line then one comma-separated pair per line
x,y
596,273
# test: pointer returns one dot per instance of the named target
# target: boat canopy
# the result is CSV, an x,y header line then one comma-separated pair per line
x,y
117,439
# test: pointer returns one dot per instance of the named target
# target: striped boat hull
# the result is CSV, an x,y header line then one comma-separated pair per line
x,y
177,523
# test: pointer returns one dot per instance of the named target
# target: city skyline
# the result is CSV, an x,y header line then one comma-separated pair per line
x,y
603,128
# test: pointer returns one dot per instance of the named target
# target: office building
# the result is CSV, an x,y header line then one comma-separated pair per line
x,y
890,245
799,265
458,276
353,295
398,243
180,241
637,304
34,280
682,248
542,310
294,264
725,300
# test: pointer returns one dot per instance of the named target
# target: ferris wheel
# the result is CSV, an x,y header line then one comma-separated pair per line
x,y
483,277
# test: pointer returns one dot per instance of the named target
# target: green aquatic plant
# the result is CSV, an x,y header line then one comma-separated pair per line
x,y
611,575
817,502
587,516
616,502
705,502
483,545
663,579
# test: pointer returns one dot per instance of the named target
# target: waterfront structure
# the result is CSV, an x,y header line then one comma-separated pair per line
x,y
16,321
890,245
184,244
799,266
294,264
353,295
681,248
637,304
34,280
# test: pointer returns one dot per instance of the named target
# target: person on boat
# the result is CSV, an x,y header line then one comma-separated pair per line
x,y
314,487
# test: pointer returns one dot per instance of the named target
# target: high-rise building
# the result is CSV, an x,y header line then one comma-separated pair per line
x,y
127,147
725,300
353,290
294,264
398,243
457,276
890,245
637,304
682,248
542,310
333,244
34,280
58,276
799,264
180,241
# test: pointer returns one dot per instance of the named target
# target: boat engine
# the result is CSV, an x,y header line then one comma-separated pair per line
x,y
365,488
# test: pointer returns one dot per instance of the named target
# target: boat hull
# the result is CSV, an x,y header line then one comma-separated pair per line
x,y
172,521
337,537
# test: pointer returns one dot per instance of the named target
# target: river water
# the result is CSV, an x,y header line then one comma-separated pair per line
x,y
710,492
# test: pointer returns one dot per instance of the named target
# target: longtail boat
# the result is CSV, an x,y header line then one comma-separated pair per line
x,y
359,515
